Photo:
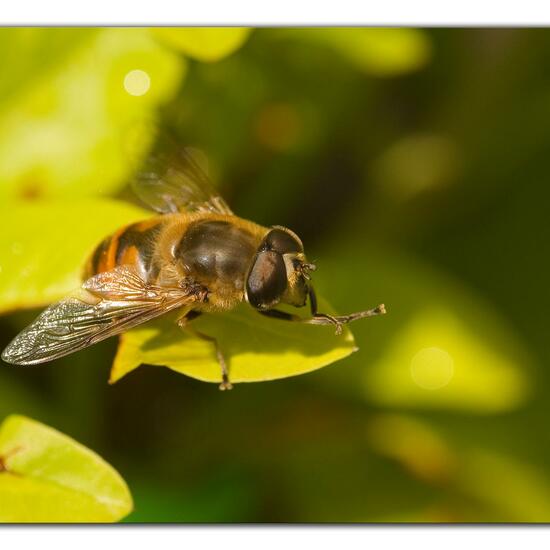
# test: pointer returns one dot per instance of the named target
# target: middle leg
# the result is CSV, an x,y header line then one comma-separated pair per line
x,y
183,323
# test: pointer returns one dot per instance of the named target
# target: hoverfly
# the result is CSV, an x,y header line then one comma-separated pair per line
x,y
195,257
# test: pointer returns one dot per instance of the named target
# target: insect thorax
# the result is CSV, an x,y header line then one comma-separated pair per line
x,y
217,253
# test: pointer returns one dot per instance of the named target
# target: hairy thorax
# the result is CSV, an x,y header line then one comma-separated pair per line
x,y
215,251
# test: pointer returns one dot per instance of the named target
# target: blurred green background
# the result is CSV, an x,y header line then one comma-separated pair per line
x,y
413,163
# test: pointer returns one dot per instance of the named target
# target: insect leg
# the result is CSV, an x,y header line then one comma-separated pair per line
x,y
338,320
324,318
317,319
183,324
188,317
328,319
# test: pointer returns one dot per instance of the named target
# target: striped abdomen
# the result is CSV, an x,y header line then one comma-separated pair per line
x,y
133,245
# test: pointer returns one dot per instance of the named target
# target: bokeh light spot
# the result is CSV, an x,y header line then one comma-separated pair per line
x,y
432,368
416,164
137,82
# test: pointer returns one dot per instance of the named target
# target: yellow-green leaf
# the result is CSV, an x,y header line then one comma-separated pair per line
x,y
45,476
437,360
257,348
44,246
441,347
81,126
203,43
29,53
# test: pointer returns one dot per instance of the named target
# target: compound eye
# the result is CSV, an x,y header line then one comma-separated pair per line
x,y
267,280
282,241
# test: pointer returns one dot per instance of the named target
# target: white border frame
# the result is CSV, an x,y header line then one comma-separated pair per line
x,y
282,12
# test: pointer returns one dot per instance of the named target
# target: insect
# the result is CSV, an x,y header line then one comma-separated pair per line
x,y
196,257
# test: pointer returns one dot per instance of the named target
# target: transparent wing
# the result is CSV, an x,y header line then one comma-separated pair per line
x,y
175,182
107,304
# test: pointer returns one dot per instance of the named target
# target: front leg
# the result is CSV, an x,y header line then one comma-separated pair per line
x,y
324,318
183,323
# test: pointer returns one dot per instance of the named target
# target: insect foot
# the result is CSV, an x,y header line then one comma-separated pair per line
x,y
226,385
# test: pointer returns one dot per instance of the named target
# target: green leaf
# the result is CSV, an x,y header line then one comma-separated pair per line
x,y
203,43
257,348
77,126
378,51
49,477
45,244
